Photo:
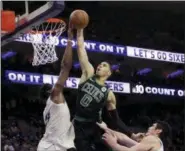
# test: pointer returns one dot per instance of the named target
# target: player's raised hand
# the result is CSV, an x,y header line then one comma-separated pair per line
x,y
102,125
110,139
138,137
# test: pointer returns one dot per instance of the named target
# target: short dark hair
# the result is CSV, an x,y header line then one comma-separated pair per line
x,y
44,91
166,131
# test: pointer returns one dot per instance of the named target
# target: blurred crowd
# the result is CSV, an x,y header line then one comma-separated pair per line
x,y
22,128
22,121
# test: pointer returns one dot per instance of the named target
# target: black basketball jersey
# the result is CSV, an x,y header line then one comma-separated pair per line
x,y
91,100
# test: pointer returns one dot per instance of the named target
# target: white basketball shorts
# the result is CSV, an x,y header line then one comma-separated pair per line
x,y
48,147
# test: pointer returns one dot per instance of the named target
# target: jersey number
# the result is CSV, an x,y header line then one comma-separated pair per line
x,y
86,100
47,117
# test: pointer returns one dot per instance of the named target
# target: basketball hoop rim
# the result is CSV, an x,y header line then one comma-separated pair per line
x,y
50,20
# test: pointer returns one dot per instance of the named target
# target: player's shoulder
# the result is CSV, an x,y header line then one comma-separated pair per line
x,y
111,97
53,104
150,139
91,78
111,93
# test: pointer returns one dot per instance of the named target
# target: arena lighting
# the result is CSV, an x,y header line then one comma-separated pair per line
x,y
128,51
144,71
175,74
8,54
72,82
115,67
76,65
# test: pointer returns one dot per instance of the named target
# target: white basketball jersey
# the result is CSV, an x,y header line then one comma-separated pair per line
x,y
162,147
59,129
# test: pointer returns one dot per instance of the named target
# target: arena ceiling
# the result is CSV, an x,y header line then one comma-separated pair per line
x,y
175,6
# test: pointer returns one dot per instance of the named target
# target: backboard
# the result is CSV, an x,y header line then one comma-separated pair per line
x,y
28,14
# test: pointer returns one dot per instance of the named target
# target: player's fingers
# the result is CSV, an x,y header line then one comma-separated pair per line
x,y
97,123
70,25
100,125
109,133
69,30
106,131
141,134
70,33
103,137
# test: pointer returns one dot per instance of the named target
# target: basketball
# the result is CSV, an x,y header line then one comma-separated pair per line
x,y
79,19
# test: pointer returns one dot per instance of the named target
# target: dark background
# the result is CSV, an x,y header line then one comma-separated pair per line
x,y
155,25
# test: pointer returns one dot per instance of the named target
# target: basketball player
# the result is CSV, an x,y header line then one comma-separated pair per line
x,y
150,142
93,95
59,133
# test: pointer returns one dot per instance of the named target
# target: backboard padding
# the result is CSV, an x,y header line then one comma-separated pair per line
x,y
49,10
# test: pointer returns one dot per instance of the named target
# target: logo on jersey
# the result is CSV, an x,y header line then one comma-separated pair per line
x,y
103,89
47,117
92,92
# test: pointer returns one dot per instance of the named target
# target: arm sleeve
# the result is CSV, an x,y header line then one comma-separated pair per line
x,y
116,122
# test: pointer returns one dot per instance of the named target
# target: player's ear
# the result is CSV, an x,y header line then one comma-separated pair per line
x,y
159,131
109,73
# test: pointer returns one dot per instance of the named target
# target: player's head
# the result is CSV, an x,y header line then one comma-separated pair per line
x,y
160,129
45,91
104,70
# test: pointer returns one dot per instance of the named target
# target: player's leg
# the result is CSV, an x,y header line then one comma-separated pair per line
x,y
97,140
42,147
51,148
82,137
82,144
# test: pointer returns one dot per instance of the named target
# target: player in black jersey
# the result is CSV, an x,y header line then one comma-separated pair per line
x,y
93,95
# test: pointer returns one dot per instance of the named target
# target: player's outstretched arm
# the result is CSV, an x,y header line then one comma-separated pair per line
x,y
86,67
66,65
121,138
114,117
146,145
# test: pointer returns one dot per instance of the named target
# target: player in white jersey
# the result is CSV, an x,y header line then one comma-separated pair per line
x,y
59,133
150,141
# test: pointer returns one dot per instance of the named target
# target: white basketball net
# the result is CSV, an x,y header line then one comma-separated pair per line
x,y
44,43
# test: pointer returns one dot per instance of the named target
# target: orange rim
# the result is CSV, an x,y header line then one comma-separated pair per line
x,y
54,20
50,20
